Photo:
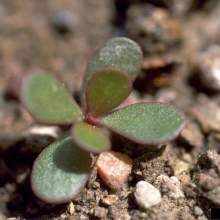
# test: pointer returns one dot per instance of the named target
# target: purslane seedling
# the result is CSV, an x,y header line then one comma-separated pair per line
x,y
62,169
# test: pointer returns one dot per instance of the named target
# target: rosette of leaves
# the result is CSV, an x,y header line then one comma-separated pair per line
x,y
62,169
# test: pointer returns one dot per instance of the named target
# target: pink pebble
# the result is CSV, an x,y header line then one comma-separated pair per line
x,y
114,168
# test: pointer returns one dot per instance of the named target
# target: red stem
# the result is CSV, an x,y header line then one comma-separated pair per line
x,y
92,120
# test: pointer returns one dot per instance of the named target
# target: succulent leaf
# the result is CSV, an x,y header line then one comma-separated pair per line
x,y
90,138
146,123
119,52
48,100
106,89
60,171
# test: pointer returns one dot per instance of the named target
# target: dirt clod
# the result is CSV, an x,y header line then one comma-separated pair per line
x,y
206,175
169,186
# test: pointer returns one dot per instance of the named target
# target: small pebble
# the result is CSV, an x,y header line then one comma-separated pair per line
x,y
114,168
209,67
184,179
100,212
71,209
110,200
180,167
198,211
63,216
146,195
52,131
10,187
127,217
214,141
20,178
96,185
65,21
2,217
187,158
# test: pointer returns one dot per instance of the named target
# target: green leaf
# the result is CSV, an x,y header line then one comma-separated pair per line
x,y
60,171
106,89
146,123
90,138
48,100
118,52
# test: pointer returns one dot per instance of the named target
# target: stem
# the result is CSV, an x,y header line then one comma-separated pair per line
x,y
92,120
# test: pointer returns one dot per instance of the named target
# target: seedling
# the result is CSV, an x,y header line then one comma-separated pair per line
x,y
62,169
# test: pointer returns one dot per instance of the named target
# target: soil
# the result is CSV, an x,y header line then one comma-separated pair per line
x,y
181,44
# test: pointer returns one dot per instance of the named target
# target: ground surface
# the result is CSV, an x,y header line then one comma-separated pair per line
x,y
181,44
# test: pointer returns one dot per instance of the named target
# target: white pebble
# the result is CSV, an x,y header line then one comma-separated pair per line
x,y
146,195
43,130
